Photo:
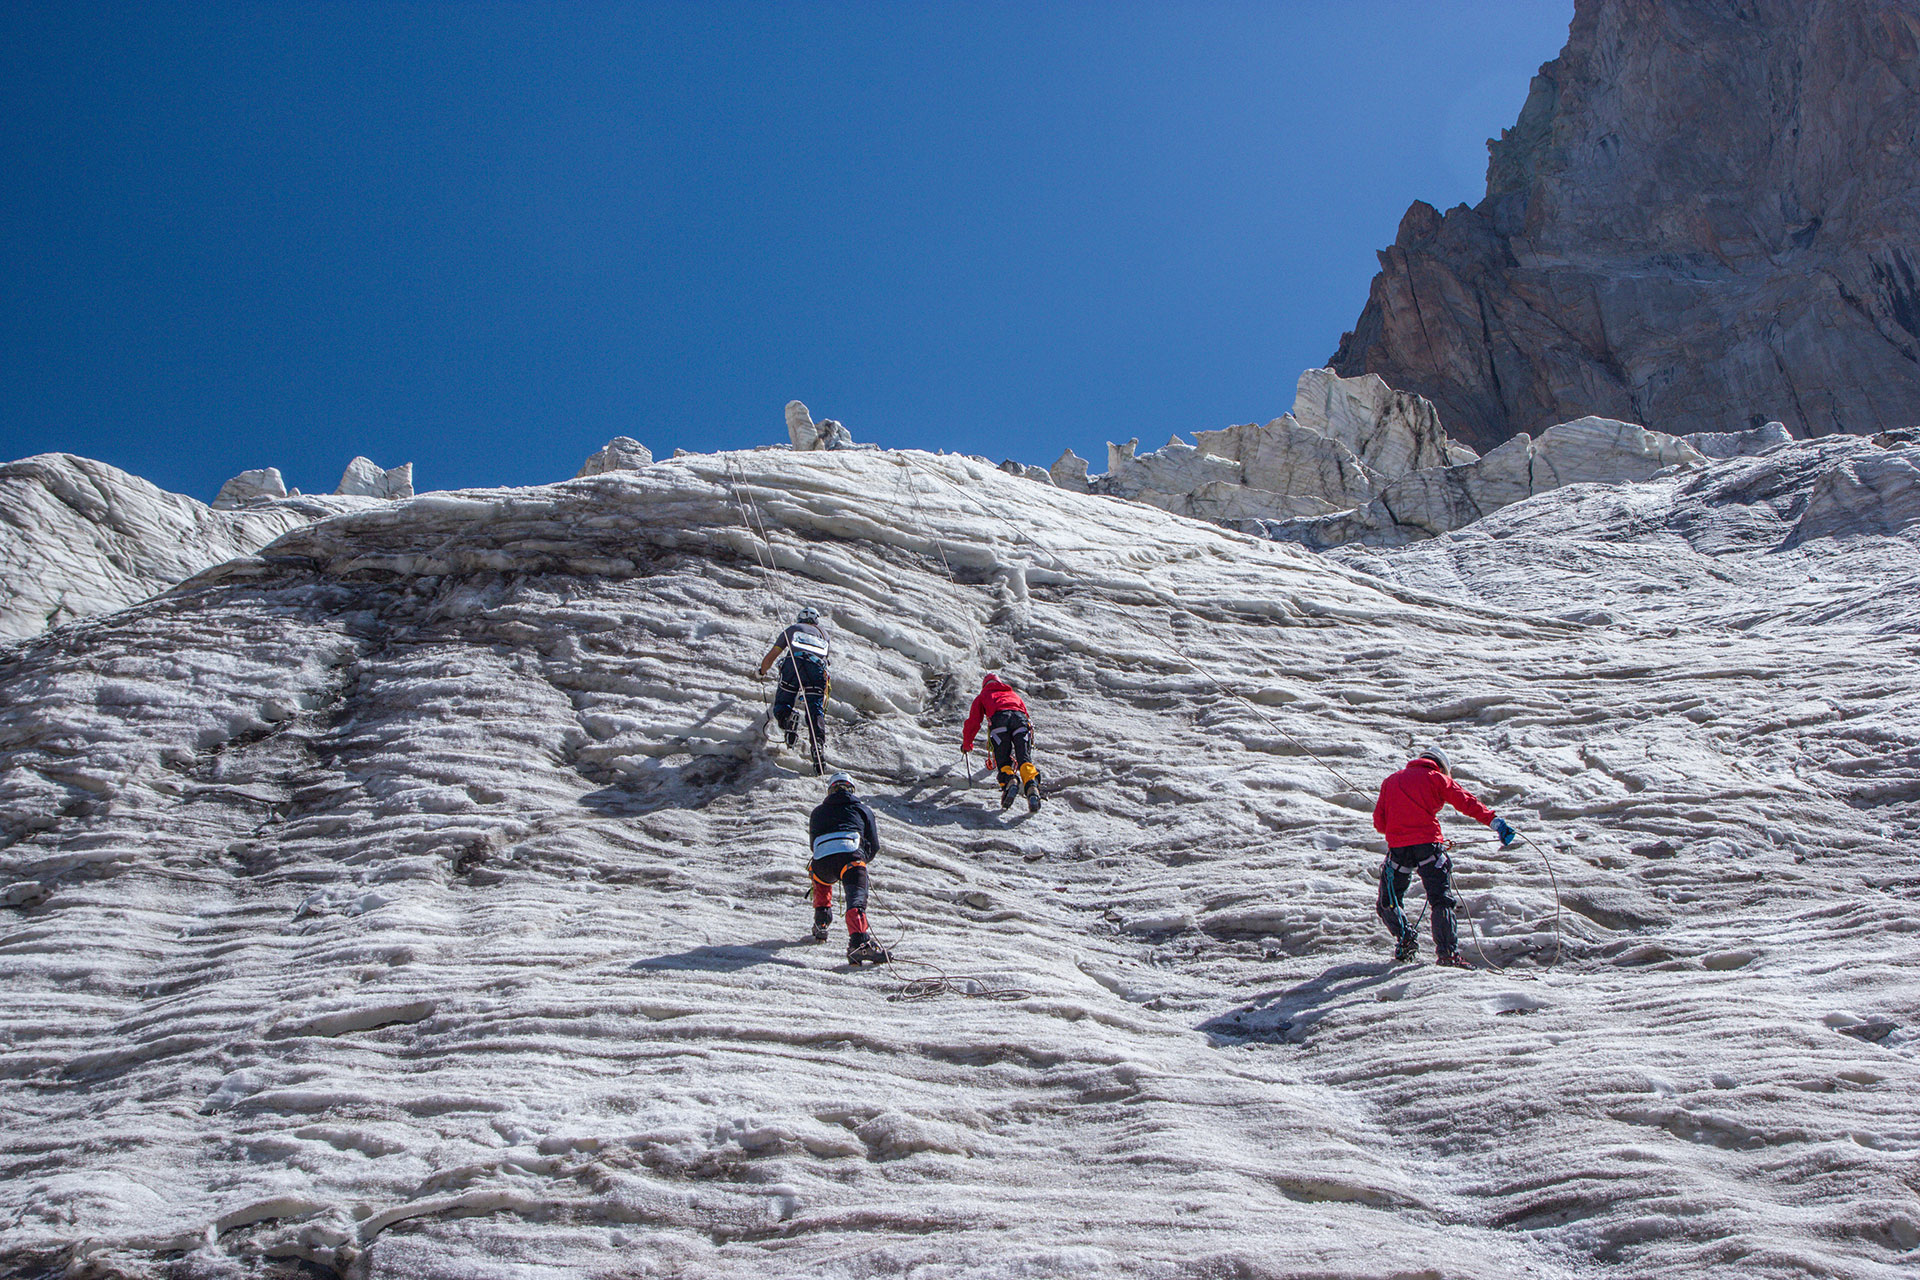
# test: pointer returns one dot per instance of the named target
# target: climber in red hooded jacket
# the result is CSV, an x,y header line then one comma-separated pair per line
x,y
1011,732
1408,815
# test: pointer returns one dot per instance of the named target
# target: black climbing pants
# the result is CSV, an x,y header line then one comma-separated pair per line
x,y
1012,736
1436,873
783,702
849,870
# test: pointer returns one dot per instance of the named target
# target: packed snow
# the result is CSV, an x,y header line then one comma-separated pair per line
x,y
421,897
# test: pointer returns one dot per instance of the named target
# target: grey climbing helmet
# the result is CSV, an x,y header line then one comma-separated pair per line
x,y
1439,757
808,614
841,779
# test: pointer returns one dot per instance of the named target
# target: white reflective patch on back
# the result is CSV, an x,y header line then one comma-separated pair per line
x,y
836,842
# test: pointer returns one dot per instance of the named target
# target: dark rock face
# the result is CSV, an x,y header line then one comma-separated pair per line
x,y
1706,218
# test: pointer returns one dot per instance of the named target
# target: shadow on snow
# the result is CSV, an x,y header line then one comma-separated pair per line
x,y
726,958
1288,1015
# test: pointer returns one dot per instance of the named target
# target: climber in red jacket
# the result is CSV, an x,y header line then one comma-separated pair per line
x,y
1408,815
1012,735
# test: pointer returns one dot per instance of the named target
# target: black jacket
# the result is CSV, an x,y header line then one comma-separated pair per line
x,y
802,665
842,811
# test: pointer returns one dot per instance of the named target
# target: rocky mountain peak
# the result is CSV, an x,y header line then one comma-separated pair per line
x,y
1702,220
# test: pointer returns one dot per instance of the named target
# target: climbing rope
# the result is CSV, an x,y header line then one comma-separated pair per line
x,y
1555,882
736,486
975,640
942,983
749,513
736,482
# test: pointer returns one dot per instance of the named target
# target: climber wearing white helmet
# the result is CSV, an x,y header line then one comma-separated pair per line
x,y
844,838
803,671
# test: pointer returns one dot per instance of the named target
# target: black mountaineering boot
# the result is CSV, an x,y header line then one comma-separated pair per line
x,y
862,949
1454,961
1033,796
1409,949
822,918
1009,789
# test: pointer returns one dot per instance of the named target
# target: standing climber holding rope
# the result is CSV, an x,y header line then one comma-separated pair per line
x,y
1011,732
1408,815
844,837
802,672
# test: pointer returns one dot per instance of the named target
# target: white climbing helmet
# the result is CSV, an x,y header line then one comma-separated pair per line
x,y
842,779
808,614
1439,757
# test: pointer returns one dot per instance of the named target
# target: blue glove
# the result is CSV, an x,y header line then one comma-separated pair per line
x,y
1506,833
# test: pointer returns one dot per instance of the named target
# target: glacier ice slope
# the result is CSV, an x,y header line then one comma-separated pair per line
x,y
417,898
80,537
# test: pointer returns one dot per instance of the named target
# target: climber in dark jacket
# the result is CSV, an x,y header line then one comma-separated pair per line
x,y
1011,731
1408,815
844,838
803,672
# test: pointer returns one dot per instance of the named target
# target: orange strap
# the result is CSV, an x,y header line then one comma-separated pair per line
x,y
843,871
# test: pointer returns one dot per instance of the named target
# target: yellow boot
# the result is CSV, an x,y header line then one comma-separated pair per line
x,y
1030,783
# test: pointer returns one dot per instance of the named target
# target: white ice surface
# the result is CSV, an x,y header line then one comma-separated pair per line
x,y
420,899
79,537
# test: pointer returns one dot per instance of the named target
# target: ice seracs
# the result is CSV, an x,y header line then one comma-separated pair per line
x,y
1437,500
1357,461
807,435
250,486
1871,490
365,478
1027,471
1740,444
1344,439
622,453
1069,471
1391,432
80,537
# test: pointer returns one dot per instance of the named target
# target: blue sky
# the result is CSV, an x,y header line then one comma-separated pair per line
x,y
485,238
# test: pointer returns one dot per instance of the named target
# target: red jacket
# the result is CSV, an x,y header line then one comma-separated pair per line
x,y
995,695
1408,811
